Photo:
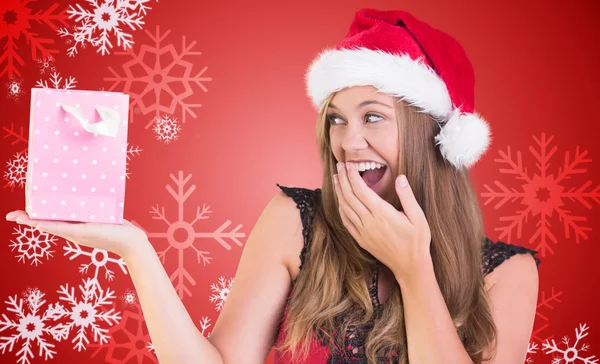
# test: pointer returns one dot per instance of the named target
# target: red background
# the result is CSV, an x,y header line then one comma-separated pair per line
x,y
537,72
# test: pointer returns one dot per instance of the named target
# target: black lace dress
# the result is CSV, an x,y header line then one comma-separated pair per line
x,y
349,348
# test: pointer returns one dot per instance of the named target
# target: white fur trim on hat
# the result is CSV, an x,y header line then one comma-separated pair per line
x,y
397,75
463,138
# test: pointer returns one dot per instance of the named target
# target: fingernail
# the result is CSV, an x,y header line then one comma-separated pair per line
x,y
335,179
347,166
339,167
403,181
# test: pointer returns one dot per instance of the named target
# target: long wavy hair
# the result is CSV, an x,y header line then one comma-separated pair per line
x,y
333,282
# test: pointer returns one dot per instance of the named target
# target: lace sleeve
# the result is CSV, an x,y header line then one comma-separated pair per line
x,y
305,201
496,253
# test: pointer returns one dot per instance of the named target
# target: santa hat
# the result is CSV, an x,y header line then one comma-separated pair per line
x,y
403,56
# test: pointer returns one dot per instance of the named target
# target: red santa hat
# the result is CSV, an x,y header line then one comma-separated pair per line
x,y
403,56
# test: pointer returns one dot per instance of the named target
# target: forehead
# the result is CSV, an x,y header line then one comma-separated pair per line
x,y
352,96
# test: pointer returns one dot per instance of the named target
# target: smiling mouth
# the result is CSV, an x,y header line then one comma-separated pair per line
x,y
372,176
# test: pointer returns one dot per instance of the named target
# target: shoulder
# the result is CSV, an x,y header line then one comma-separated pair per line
x,y
502,261
513,287
297,205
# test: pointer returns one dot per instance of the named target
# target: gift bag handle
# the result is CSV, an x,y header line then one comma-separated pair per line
x,y
109,125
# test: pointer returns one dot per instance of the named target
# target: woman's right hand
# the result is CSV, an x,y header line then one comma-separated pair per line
x,y
119,239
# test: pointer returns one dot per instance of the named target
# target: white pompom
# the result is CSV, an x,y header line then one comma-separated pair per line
x,y
463,138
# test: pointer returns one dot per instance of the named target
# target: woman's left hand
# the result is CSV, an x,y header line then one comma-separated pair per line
x,y
398,239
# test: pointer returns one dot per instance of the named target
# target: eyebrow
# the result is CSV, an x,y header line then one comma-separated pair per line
x,y
364,103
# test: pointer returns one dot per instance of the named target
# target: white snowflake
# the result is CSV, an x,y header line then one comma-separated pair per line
x,y
57,82
32,244
14,88
16,170
103,19
166,129
99,258
129,298
571,353
34,327
222,291
150,347
88,312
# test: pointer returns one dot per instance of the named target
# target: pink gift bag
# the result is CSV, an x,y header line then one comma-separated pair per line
x,y
77,155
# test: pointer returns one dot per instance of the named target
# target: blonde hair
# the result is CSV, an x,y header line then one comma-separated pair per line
x,y
333,281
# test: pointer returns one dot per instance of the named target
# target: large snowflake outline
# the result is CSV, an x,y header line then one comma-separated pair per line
x,y
542,194
181,277
158,78
32,327
18,17
102,20
571,353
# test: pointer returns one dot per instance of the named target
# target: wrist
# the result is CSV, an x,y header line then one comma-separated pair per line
x,y
422,269
138,248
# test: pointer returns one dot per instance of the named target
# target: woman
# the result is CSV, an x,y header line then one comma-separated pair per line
x,y
388,261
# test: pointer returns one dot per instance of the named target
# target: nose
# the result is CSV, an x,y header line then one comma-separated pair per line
x,y
353,139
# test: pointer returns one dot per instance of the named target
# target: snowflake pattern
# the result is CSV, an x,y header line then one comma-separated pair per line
x,y
181,277
17,19
18,138
571,353
543,194
32,326
129,298
56,82
221,292
32,244
16,171
46,65
165,88
14,88
131,152
531,349
542,320
131,337
166,129
205,324
99,258
103,20
87,313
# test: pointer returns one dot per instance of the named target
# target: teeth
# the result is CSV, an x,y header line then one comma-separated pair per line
x,y
368,165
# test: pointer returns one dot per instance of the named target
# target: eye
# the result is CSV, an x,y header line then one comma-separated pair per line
x,y
331,118
373,115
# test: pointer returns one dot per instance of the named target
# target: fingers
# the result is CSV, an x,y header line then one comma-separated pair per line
x,y
351,200
62,229
411,207
364,193
344,207
12,216
349,225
